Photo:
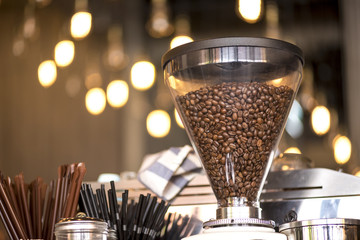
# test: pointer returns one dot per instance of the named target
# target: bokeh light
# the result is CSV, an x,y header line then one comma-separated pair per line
x,y
47,73
117,93
320,120
293,150
285,167
277,82
80,25
18,47
64,53
30,27
95,101
142,75
158,123
159,25
342,149
180,40
250,10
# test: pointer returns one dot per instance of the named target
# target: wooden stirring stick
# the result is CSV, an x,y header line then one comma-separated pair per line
x,y
38,207
71,194
66,179
25,206
17,225
82,170
54,211
48,210
10,190
7,223
61,193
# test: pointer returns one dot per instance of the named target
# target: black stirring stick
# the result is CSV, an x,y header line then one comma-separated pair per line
x,y
92,201
101,205
142,217
159,209
135,220
148,217
84,204
103,196
131,214
118,221
124,213
160,221
88,200
113,213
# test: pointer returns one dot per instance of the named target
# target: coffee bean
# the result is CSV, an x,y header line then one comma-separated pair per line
x,y
235,124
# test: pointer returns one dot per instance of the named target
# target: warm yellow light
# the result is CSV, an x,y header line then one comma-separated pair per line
x,y
178,119
142,75
159,25
342,149
115,56
117,93
80,25
64,53
158,123
180,40
357,173
95,101
292,150
47,73
250,10
29,27
277,81
285,167
320,120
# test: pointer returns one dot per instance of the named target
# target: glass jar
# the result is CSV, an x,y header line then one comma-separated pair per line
x,y
81,228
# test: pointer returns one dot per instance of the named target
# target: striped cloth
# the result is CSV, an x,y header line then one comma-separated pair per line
x,y
166,173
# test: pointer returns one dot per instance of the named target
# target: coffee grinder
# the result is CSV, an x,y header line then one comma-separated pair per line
x,y
233,96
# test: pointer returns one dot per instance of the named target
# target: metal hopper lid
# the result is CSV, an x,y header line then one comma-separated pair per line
x,y
231,41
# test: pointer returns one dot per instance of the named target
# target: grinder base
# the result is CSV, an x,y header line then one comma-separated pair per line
x,y
239,232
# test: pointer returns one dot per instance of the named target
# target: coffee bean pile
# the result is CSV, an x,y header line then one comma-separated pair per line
x,y
234,126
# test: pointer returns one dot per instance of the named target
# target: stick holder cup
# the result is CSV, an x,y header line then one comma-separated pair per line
x,y
233,96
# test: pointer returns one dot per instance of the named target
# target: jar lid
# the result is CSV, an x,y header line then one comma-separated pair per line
x,y
81,222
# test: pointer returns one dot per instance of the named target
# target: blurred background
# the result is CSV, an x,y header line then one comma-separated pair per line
x,y
82,81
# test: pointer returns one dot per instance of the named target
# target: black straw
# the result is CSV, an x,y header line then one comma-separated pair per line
x,y
140,220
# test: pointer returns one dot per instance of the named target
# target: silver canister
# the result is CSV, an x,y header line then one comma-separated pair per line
x,y
329,229
81,228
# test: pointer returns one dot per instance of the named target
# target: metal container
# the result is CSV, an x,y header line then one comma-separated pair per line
x,y
329,229
81,228
111,234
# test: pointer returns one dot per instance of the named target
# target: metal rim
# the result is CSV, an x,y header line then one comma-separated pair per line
x,y
81,225
319,222
239,221
231,41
